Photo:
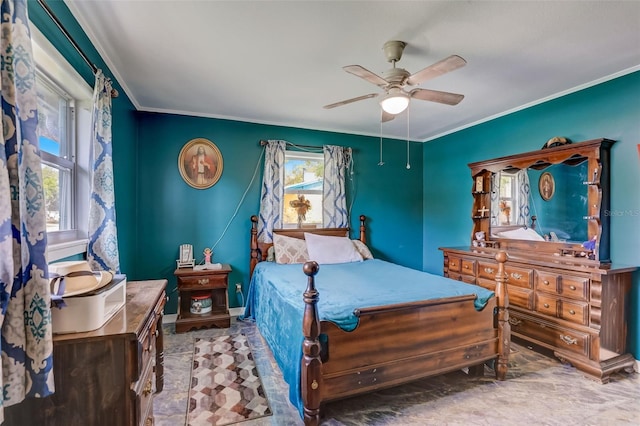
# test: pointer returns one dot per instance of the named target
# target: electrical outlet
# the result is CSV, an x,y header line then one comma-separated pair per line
x,y
238,287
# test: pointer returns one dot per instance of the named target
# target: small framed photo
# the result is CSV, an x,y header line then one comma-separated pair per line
x,y
479,183
200,163
546,186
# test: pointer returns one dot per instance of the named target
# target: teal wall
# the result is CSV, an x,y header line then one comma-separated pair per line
x,y
171,213
610,110
157,211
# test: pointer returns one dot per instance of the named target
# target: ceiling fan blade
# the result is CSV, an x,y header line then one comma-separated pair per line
x,y
386,116
446,65
348,101
364,73
436,96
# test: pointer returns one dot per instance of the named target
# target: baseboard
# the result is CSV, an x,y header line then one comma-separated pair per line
x,y
171,318
234,312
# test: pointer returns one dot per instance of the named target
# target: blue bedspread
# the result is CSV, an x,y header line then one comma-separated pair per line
x,y
274,301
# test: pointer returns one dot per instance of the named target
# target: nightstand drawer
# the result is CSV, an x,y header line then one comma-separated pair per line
x,y
199,282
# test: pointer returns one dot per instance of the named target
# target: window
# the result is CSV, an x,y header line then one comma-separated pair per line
x,y
302,205
55,135
507,200
64,124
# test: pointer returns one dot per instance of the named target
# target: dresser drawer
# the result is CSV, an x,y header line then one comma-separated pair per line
x,y
547,282
469,279
574,287
574,311
547,304
455,264
519,277
144,390
487,270
468,267
517,296
566,340
199,282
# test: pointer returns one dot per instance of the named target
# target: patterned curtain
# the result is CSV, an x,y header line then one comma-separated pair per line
x,y
25,314
495,199
337,161
522,177
103,236
272,195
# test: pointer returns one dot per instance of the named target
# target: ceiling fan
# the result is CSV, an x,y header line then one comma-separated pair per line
x,y
396,98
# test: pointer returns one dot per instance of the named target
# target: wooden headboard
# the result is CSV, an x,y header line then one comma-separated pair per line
x,y
259,249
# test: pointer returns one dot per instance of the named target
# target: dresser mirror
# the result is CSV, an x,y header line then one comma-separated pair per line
x,y
557,201
553,201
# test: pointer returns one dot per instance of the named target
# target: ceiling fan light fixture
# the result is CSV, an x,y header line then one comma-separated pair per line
x,y
395,101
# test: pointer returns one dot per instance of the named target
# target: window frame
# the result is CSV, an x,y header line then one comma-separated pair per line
x,y
302,155
52,67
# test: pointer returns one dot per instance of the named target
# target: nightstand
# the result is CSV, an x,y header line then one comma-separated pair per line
x,y
191,284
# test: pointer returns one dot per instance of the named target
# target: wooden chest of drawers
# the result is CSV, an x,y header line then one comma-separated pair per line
x,y
579,312
105,377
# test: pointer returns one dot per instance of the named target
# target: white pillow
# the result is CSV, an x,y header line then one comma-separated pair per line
x,y
522,234
326,249
289,250
363,249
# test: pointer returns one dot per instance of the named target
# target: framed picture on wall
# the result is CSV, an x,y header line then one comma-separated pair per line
x,y
200,163
546,186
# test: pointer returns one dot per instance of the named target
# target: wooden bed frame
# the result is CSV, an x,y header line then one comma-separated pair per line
x,y
393,344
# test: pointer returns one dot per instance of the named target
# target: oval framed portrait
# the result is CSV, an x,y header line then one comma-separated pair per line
x,y
546,186
200,163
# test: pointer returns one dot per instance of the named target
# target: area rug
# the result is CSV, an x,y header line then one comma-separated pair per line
x,y
225,385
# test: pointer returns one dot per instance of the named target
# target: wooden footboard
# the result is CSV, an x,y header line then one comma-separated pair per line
x,y
396,344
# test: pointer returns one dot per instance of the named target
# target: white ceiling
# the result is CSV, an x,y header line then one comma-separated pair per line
x,y
279,62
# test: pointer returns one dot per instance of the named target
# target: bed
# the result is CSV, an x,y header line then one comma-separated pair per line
x,y
333,339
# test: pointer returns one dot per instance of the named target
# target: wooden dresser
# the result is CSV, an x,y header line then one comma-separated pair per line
x,y
107,376
578,312
565,293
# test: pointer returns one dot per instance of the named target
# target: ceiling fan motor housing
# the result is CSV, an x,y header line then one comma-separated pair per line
x,y
393,50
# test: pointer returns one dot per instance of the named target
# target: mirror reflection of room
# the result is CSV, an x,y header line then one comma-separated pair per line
x,y
559,217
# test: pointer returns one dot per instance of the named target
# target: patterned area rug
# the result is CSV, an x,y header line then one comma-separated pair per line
x,y
225,385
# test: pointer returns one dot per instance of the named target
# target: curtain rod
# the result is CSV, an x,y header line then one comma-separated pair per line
x,y
263,143
54,18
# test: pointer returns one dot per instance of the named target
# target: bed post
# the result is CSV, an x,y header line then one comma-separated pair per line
x,y
363,232
504,328
311,377
253,259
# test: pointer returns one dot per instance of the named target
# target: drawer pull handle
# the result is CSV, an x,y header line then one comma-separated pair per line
x,y
516,275
572,312
515,321
489,270
147,388
572,287
568,340
149,421
545,282
546,305
453,264
203,281
466,266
